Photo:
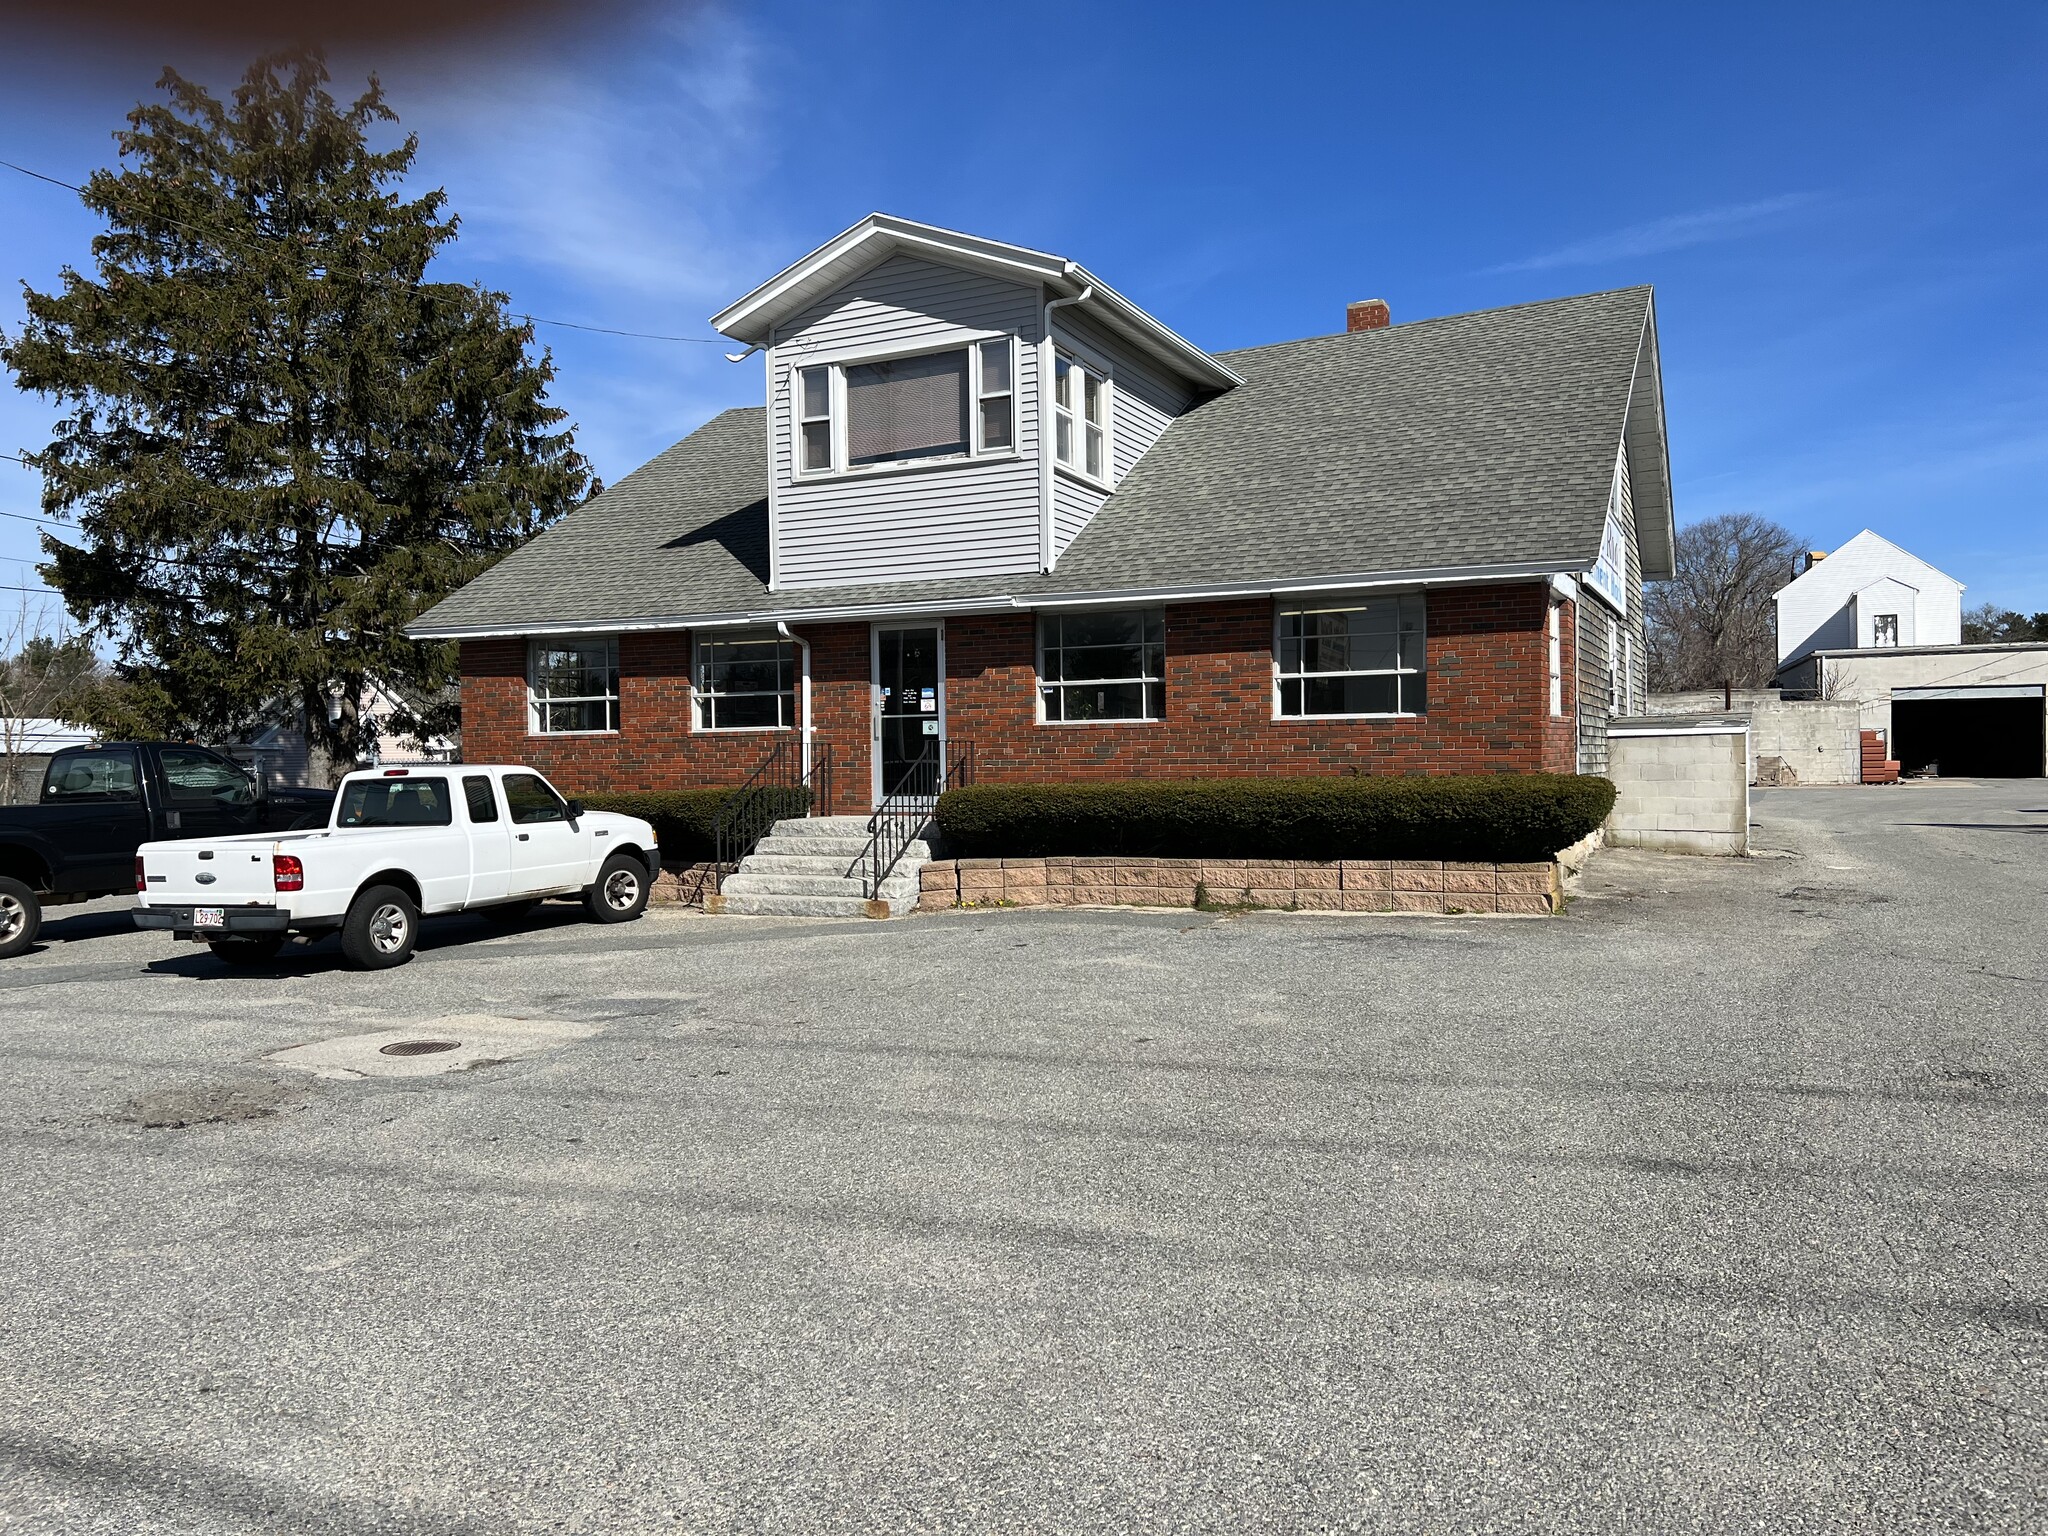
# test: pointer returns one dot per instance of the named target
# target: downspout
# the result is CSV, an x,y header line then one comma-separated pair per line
x,y
803,645
1047,425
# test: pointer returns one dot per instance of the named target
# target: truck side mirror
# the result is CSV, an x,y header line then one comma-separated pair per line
x,y
575,812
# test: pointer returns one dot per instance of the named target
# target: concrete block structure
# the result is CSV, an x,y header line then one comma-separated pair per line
x,y
1682,784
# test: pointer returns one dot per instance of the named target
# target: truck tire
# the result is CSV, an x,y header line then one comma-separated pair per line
x,y
380,930
242,953
21,915
620,892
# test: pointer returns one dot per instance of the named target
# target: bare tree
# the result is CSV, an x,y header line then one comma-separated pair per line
x,y
41,672
1714,622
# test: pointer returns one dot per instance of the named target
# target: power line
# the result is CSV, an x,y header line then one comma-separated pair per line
x,y
248,243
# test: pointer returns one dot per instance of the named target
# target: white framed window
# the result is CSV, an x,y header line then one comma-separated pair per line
x,y
1363,657
1099,665
1080,416
573,685
1884,629
949,403
1557,658
745,682
814,418
995,389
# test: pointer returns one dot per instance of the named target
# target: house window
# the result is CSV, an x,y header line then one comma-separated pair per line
x,y
1103,666
1557,658
1362,658
1080,409
996,393
573,685
746,683
1614,704
1884,629
907,410
814,415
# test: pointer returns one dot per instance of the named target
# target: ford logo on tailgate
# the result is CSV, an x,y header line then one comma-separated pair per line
x,y
206,877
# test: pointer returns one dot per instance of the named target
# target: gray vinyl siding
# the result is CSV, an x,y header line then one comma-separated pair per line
x,y
967,519
1143,403
1593,615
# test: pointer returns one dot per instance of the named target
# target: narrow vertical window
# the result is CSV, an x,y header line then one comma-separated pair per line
x,y
1081,413
996,397
1613,667
814,407
1556,658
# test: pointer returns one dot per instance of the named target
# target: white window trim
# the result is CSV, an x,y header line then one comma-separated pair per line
x,y
1042,682
838,363
534,644
1556,660
697,693
1280,612
1092,362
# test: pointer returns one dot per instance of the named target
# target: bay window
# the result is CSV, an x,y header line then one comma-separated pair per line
x,y
955,403
1103,665
1360,657
745,682
573,685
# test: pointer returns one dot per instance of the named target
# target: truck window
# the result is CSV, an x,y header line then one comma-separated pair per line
x,y
483,805
91,778
396,803
192,777
530,800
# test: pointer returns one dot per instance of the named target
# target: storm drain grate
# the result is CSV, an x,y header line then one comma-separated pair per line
x,y
417,1047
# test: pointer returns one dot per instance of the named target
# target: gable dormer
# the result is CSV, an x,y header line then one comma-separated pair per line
x,y
942,406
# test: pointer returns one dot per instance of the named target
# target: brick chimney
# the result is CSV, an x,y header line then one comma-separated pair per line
x,y
1368,315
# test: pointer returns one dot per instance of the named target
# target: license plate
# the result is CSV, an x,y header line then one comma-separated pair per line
x,y
209,917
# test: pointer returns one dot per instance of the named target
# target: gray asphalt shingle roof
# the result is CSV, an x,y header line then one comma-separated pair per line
x,y
1473,441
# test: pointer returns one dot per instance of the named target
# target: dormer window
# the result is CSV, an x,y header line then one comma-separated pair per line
x,y
897,411
1080,411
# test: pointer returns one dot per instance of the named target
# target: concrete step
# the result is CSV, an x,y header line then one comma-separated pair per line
x,y
777,845
804,863
822,826
745,905
773,882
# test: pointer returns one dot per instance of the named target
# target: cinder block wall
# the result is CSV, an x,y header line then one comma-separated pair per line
x,y
1817,737
1680,791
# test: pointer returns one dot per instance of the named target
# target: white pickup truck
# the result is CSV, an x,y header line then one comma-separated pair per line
x,y
403,843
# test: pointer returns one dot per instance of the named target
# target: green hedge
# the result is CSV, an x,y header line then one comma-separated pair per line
x,y
685,820
1496,818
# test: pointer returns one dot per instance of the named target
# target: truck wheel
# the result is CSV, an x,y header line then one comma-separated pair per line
x,y
20,916
380,930
621,891
242,953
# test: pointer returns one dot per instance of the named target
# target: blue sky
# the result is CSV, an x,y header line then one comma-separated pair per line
x,y
1841,206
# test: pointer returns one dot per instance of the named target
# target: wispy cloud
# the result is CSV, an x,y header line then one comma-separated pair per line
x,y
1672,233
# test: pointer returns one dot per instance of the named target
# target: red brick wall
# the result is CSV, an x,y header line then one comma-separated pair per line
x,y
1489,700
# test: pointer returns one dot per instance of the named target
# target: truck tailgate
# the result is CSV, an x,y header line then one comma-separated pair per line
x,y
229,872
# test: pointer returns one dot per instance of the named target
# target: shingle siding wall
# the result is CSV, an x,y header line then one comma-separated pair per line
x,y
971,519
1488,686
1593,651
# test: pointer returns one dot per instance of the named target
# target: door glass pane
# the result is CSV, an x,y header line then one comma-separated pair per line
x,y
91,776
200,778
483,805
530,800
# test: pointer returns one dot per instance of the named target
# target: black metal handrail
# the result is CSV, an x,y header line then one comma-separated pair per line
x,y
779,789
907,809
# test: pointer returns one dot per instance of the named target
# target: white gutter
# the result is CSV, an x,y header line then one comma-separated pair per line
x,y
804,645
1048,424
1471,576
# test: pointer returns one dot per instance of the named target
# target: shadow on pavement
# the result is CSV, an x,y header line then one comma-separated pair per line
x,y
302,956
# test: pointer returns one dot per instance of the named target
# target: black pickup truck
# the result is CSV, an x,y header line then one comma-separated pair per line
x,y
99,804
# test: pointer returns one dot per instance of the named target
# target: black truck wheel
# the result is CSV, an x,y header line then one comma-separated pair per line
x,y
380,930
240,953
21,915
621,891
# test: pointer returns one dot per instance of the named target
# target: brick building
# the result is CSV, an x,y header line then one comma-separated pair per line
x,y
990,507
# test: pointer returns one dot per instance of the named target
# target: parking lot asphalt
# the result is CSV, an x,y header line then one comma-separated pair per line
x,y
1715,1204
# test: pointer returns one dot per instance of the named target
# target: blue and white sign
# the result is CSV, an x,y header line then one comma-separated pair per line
x,y
1609,576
